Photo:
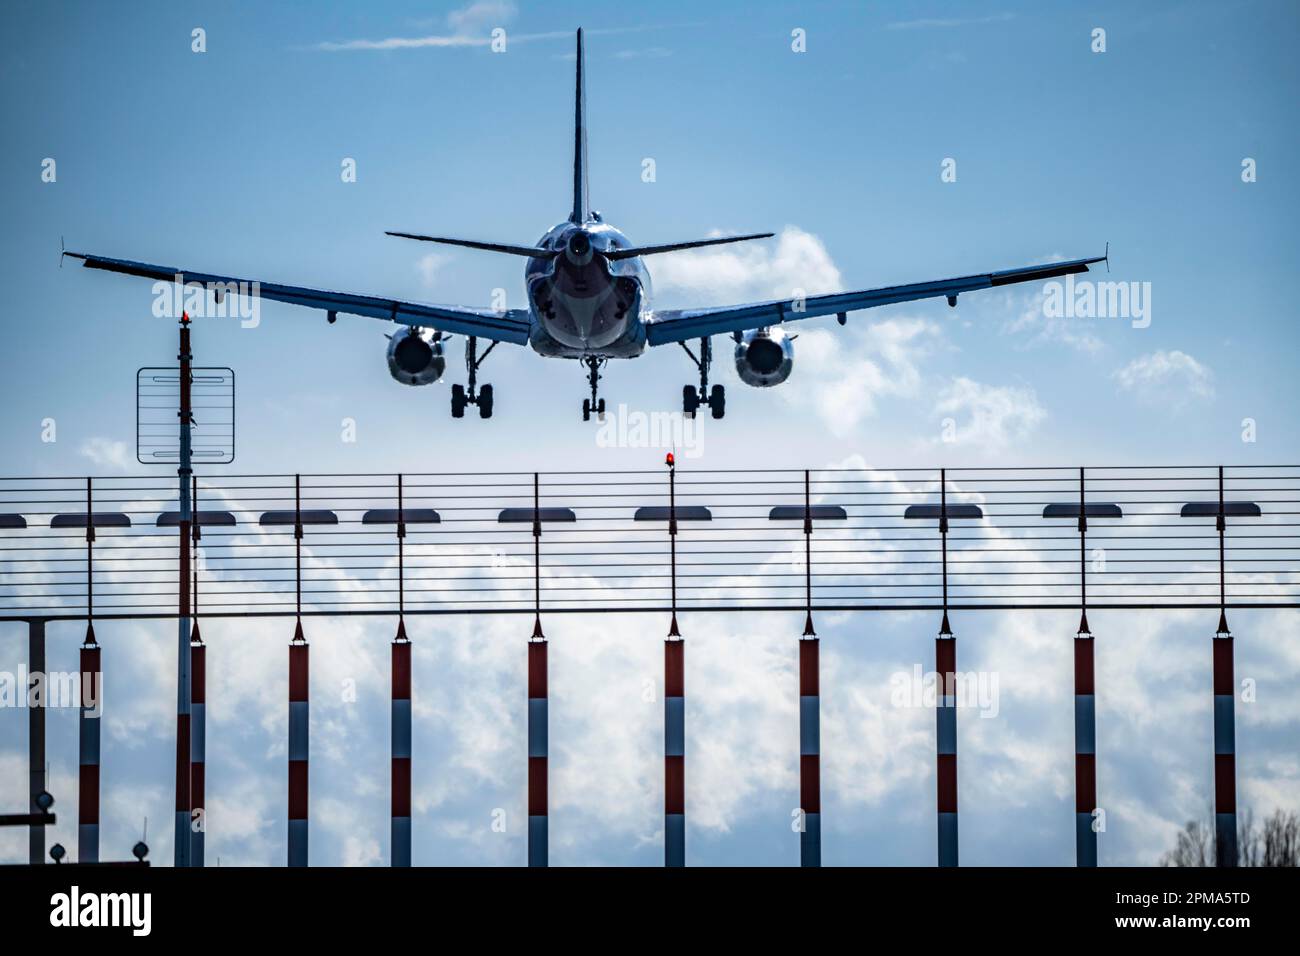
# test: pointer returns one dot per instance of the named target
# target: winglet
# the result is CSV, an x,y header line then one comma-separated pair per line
x,y
579,214
1107,256
62,252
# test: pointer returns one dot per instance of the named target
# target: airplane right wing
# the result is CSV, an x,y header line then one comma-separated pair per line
x,y
683,324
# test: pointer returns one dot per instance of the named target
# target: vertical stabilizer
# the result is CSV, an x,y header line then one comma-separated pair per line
x,y
579,214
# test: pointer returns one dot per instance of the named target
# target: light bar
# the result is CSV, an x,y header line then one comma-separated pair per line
x,y
409,516
528,515
684,513
816,512
936,511
100,519
1092,509
270,518
1210,509
204,519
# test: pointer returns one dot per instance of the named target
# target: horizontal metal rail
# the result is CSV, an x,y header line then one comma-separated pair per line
x,y
744,549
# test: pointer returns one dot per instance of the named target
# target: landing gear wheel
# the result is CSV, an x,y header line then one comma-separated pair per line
x,y
692,397
471,394
690,400
718,401
594,363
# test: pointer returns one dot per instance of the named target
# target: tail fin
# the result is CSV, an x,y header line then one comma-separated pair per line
x,y
579,214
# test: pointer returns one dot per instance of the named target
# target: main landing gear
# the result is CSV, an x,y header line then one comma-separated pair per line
x,y
693,398
482,397
594,365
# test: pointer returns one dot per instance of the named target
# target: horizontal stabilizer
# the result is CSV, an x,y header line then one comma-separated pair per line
x,y
531,252
616,254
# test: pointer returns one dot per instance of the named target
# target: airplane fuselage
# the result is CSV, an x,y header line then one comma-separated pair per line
x,y
583,304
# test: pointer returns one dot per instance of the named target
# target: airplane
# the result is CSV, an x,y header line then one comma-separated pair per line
x,y
589,299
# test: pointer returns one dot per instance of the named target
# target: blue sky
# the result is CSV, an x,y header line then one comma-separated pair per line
x,y
229,161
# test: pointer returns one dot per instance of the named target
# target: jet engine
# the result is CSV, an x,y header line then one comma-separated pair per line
x,y
764,357
415,356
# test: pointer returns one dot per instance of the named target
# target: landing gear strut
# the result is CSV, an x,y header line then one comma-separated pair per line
x,y
594,365
693,398
482,397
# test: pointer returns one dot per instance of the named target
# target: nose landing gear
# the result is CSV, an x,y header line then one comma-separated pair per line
x,y
692,398
461,396
594,365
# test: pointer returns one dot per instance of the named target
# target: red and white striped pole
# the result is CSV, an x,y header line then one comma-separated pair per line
x,y
945,657
400,836
1085,751
198,712
298,712
674,705
1225,754
298,748
810,773
538,854
537,751
945,652
1225,718
401,828
1085,711
198,738
674,750
92,706
810,799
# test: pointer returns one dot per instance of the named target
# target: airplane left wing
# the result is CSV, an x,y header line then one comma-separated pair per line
x,y
683,324
510,325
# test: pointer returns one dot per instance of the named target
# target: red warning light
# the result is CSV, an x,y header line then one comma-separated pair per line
x,y
669,460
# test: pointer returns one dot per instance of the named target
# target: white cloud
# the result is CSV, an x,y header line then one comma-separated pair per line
x,y
842,374
429,266
652,52
948,22
470,26
989,416
1040,328
1166,376
404,43
107,453
749,271
480,15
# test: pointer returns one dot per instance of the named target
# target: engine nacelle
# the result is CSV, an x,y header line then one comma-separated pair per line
x,y
415,356
764,357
